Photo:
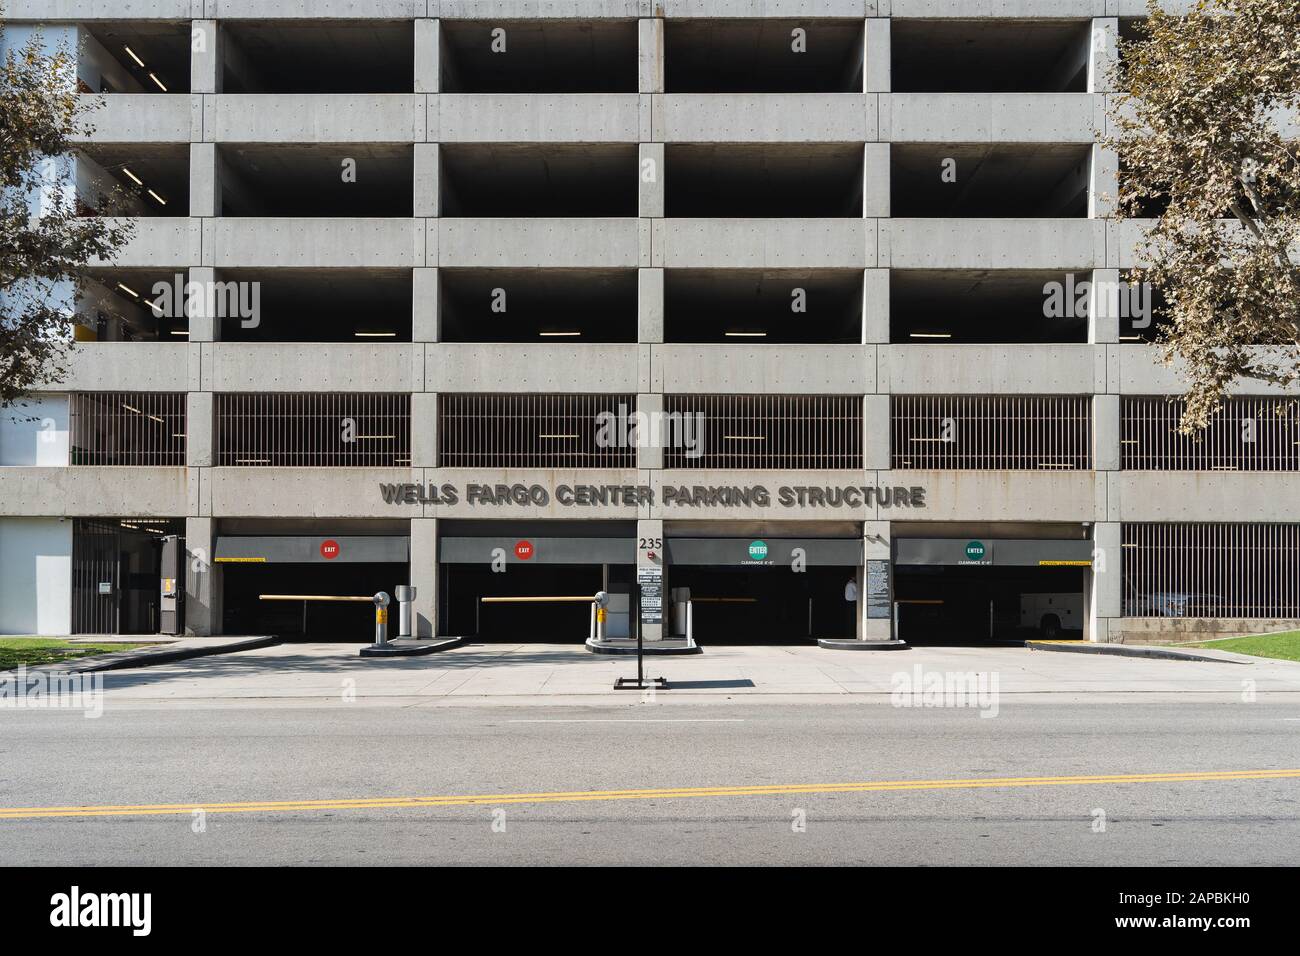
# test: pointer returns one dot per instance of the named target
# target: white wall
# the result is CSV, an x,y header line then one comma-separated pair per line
x,y
35,576
34,432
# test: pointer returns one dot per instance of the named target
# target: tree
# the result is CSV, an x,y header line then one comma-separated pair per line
x,y
43,239
1198,128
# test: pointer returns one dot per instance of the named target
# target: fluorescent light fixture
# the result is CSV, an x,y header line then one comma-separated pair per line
x,y
927,439
1055,464
156,419
131,408
1130,338
375,335
746,335
184,332
376,437
157,197
558,436
178,435
129,291
559,334
158,310
252,461
930,335
159,82
132,176
131,54
744,437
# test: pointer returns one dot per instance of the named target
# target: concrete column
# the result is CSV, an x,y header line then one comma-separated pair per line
x,y
427,198
651,454
650,181
875,307
1103,182
1105,432
424,430
876,77
650,56
875,432
424,576
1104,595
1103,307
205,180
876,546
428,56
875,180
424,305
198,430
651,530
204,327
202,578
205,57
650,305
1103,53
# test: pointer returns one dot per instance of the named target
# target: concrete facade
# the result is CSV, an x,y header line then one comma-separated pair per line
x,y
209,122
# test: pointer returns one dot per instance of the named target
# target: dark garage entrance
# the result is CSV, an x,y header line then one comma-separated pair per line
x,y
973,591
746,591
477,560
308,564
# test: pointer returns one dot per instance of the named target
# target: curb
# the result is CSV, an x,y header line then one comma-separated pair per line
x,y
411,647
1130,650
648,650
151,656
852,644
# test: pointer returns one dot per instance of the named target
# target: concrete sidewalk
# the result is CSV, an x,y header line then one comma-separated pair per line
x,y
312,674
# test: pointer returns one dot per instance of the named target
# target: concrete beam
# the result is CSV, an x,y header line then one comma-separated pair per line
x,y
205,57
424,576
877,54
424,430
875,180
876,433
650,305
764,369
1103,53
989,117
198,430
1021,369
427,165
333,118
425,325
765,243
540,118
875,307
765,117
205,181
203,583
650,55
530,367
428,56
650,180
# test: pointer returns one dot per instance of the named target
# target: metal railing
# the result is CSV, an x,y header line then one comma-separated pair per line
x,y
534,431
127,428
1211,570
763,431
312,430
991,432
1244,434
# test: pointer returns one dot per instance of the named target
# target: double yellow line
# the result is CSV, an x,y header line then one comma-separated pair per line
x,y
664,793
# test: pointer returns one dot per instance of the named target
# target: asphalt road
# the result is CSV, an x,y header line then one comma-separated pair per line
x,y
253,752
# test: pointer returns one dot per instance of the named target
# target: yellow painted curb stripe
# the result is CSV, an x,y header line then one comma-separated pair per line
x,y
667,793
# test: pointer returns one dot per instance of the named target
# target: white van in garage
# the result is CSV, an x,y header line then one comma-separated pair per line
x,y
1050,614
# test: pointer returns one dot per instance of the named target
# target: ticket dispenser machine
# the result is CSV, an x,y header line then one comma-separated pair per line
x,y
172,586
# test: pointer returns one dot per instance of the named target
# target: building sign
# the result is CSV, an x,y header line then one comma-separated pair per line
x,y
651,580
877,588
977,553
1000,552
834,498
757,550
524,550
329,549
304,549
